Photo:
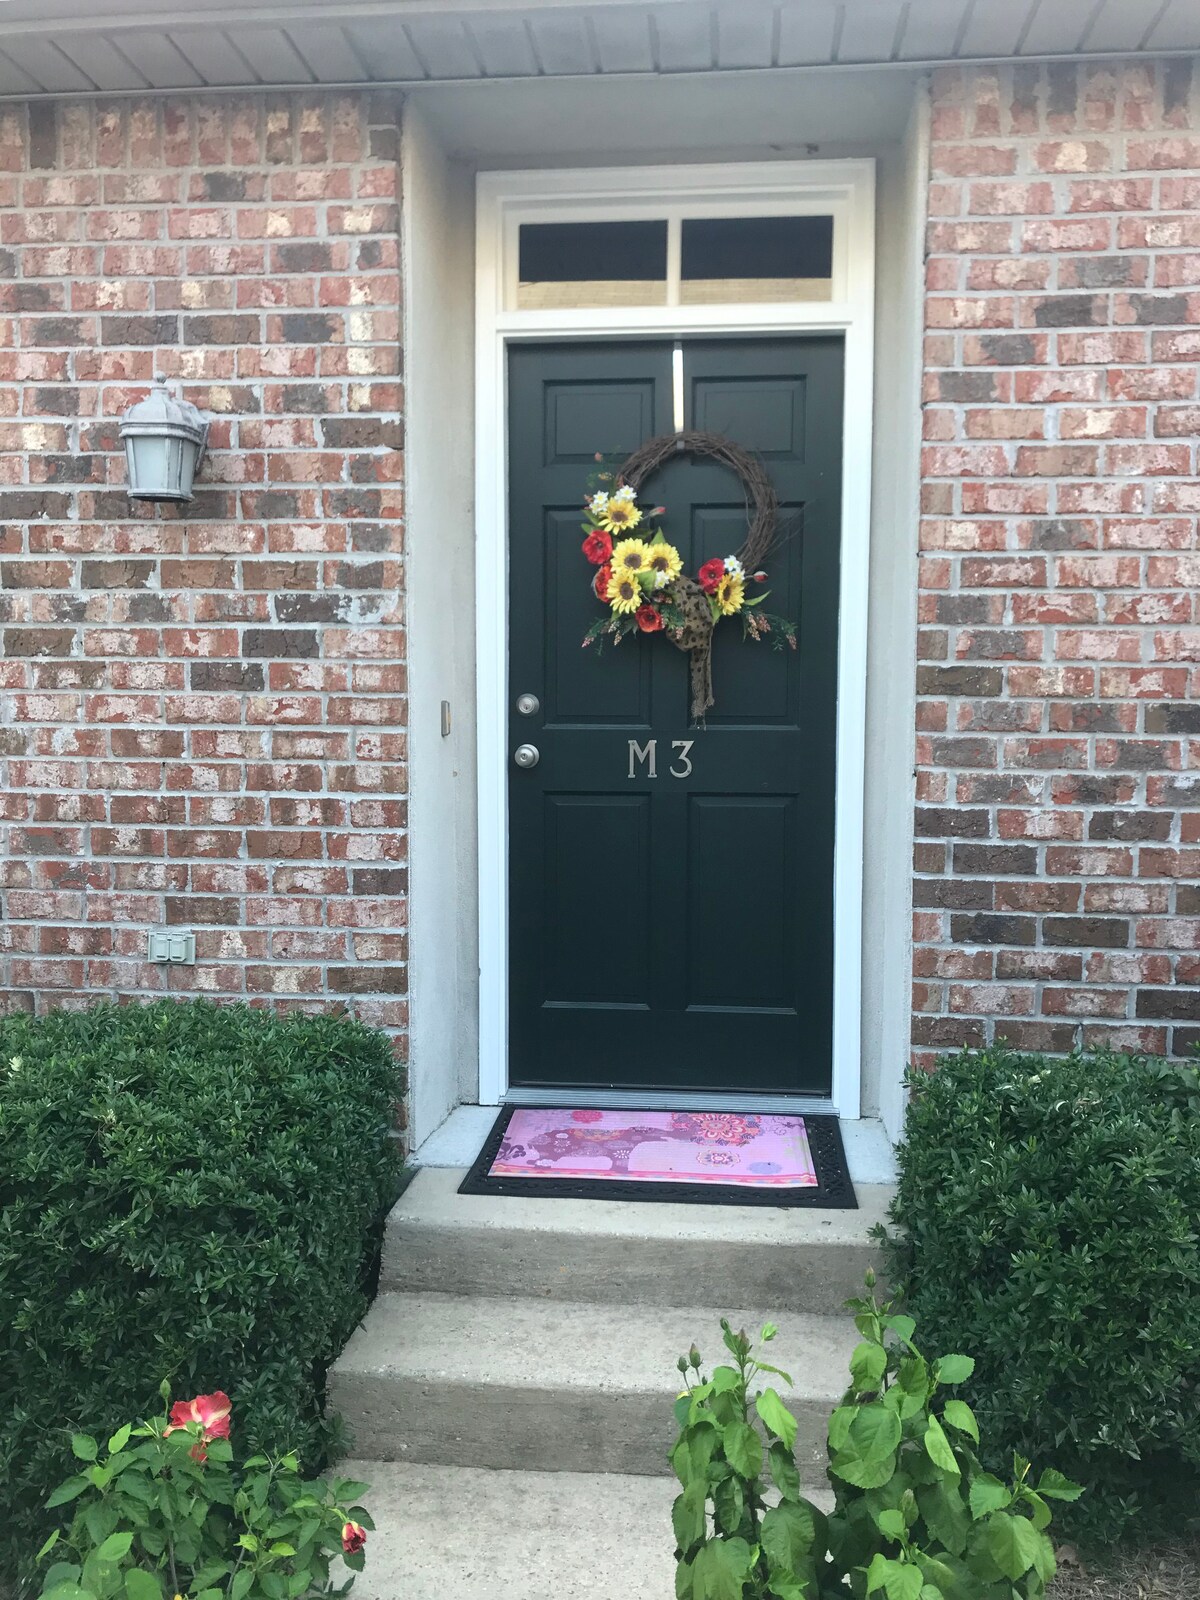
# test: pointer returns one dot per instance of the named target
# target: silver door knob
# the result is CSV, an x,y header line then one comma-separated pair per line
x,y
528,705
527,755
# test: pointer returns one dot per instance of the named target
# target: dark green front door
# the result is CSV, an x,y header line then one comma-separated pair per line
x,y
671,886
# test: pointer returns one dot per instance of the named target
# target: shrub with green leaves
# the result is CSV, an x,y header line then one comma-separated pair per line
x,y
915,1515
167,1510
186,1191
1048,1213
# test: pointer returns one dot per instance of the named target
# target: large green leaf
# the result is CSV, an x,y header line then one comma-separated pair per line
x,y
954,1369
787,1535
783,1471
959,1415
142,1585
776,1417
687,1515
937,1447
868,1365
729,1503
743,1449
1053,1486
115,1547
1013,1543
874,1433
67,1491
720,1568
988,1494
945,1514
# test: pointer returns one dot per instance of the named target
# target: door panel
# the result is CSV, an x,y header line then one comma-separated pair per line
x,y
671,900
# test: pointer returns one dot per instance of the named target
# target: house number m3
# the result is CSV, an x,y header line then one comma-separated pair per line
x,y
647,755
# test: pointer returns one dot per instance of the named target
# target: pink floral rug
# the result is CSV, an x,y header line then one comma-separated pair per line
x,y
750,1151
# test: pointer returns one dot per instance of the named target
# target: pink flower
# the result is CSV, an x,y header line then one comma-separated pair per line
x,y
587,1116
354,1536
211,1411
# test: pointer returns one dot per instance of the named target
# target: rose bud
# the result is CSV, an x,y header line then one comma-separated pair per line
x,y
354,1536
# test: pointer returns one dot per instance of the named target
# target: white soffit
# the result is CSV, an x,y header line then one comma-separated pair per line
x,y
74,46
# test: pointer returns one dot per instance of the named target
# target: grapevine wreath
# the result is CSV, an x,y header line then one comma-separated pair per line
x,y
640,577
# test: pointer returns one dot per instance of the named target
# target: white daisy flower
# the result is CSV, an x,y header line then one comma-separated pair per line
x,y
598,504
625,493
733,565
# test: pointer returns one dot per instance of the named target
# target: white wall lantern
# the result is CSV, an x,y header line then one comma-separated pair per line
x,y
164,441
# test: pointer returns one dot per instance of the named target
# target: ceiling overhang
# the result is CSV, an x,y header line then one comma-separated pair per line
x,y
133,46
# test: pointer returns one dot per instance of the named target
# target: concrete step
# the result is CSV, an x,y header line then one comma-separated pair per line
x,y
625,1252
457,1533
563,1386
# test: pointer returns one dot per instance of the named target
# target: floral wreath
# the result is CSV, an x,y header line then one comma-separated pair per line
x,y
640,576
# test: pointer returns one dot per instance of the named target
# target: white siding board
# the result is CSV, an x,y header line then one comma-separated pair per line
x,y
622,40
385,48
745,35
271,53
213,57
684,38
503,46
996,27
807,32
1178,28
1122,25
159,62
13,79
443,47
103,63
562,43
47,66
931,29
870,29
1058,27
326,52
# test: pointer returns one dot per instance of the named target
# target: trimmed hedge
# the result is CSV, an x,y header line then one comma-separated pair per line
x,y
187,1191
1049,1218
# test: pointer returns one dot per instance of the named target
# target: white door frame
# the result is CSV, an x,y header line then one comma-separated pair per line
x,y
845,189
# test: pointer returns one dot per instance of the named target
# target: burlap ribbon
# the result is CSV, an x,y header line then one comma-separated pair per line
x,y
695,636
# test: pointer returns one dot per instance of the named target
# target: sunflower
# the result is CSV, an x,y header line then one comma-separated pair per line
x,y
624,592
619,515
664,562
631,555
730,593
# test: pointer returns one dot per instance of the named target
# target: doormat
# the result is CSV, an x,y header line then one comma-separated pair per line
x,y
695,1157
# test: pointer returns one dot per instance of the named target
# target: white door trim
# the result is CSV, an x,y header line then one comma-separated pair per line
x,y
504,200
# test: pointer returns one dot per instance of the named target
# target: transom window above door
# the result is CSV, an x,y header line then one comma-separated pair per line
x,y
681,260
611,249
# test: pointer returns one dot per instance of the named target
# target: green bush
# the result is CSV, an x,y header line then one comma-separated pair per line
x,y
187,1192
1049,1222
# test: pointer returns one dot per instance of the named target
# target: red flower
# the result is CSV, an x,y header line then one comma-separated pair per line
x,y
211,1411
711,574
597,547
648,619
759,577
601,582
354,1536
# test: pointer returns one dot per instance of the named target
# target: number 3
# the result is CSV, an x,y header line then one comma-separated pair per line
x,y
684,760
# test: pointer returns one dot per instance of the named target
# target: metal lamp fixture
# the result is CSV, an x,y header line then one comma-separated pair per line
x,y
164,440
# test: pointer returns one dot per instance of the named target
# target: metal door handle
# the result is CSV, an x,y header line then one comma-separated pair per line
x,y
528,705
527,755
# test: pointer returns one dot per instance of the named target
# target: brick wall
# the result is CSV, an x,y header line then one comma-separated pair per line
x,y
1058,740
203,718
